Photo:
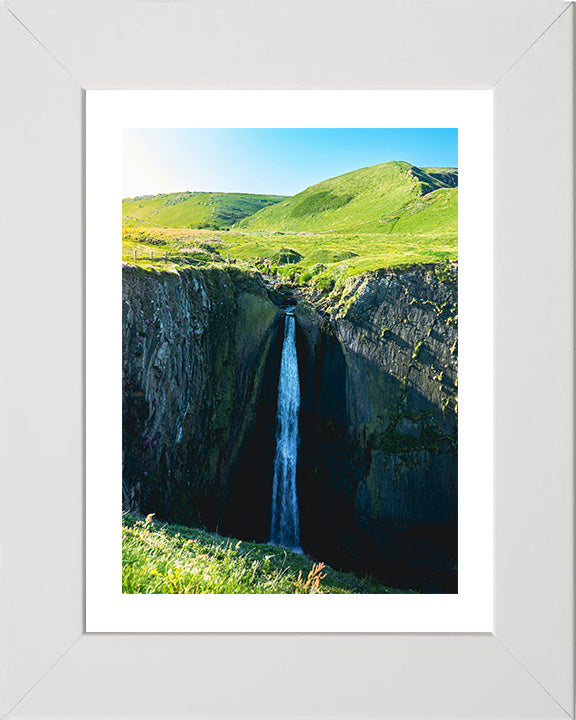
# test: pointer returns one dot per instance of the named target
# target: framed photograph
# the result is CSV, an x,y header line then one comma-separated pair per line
x,y
464,577
295,404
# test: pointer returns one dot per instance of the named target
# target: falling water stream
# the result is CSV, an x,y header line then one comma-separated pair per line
x,y
285,522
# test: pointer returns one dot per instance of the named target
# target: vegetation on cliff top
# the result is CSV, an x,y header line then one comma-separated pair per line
x,y
162,558
384,216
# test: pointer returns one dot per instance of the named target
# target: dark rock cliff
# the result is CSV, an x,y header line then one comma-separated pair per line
x,y
377,468
378,462
194,350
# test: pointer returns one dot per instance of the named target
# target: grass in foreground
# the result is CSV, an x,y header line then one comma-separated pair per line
x,y
163,558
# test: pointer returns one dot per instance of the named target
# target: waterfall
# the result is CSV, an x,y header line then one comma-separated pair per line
x,y
285,522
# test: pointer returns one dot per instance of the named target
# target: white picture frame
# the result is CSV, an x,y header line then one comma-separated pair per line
x,y
55,49
110,610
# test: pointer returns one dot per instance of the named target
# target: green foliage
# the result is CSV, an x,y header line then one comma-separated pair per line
x,y
162,558
327,258
346,255
286,256
429,438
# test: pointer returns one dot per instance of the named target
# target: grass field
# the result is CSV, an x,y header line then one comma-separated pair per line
x,y
162,558
383,216
325,259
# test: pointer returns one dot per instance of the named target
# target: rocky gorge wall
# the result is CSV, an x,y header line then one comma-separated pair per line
x,y
194,350
377,467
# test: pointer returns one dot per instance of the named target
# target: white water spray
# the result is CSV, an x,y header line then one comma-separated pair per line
x,y
285,523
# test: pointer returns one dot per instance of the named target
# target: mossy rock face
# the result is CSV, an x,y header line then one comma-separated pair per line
x,y
194,347
395,374
286,256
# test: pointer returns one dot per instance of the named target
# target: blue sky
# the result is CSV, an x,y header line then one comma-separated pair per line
x,y
270,160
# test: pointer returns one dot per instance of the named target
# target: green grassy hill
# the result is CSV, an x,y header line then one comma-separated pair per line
x,y
192,209
162,558
387,198
384,216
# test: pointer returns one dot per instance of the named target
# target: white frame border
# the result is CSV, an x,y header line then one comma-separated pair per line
x,y
51,668
107,609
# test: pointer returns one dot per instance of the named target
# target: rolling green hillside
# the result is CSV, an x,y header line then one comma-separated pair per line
x,y
382,216
216,211
392,197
